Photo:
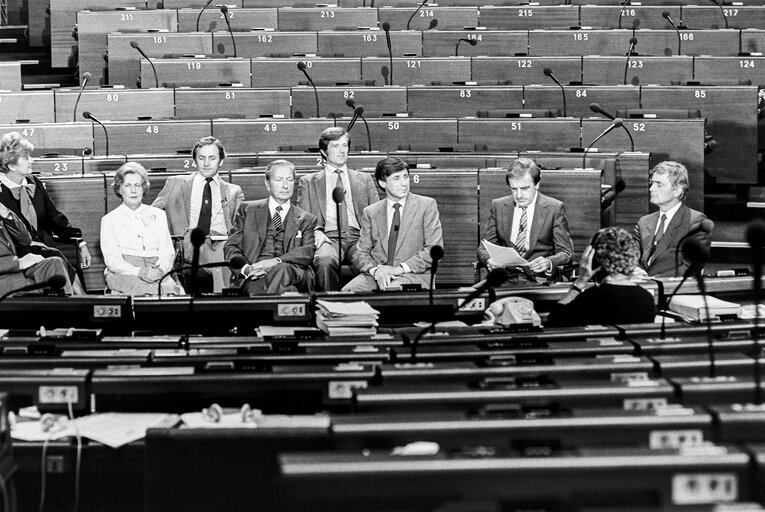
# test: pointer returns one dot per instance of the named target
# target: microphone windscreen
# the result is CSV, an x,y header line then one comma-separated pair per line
x,y
198,236
434,24
338,195
620,186
86,114
134,44
237,262
665,14
350,103
86,75
595,107
359,110
706,226
224,9
301,65
386,26
472,42
436,252
695,252
495,278
636,24
755,234
547,71
617,122
633,40
57,281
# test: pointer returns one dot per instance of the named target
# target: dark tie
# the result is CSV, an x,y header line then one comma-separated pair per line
x,y
205,212
277,219
393,235
24,195
342,222
520,240
657,236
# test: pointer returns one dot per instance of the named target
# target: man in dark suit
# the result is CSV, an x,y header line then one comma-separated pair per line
x,y
397,234
530,222
658,234
315,196
275,237
202,199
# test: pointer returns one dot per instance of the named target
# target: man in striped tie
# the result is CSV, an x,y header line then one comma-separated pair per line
x,y
532,223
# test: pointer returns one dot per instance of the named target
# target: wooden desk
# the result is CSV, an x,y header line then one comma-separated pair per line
x,y
731,118
58,165
10,76
250,136
528,17
752,41
417,70
33,107
102,164
61,138
600,42
326,18
276,72
640,70
443,43
461,101
714,69
140,137
116,104
93,27
520,134
710,16
183,163
366,43
647,16
710,42
408,134
197,72
579,98
525,70
376,101
241,20
440,18
262,43
233,102
124,60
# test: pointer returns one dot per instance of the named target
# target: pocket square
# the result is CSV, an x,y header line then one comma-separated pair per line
x,y
299,234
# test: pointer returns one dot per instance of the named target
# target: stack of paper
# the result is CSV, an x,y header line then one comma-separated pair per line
x,y
346,318
693,307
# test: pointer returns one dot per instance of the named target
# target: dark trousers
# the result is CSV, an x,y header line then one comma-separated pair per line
x,y
326,262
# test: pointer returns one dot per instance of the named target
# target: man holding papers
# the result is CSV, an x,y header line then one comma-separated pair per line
x,y
531,223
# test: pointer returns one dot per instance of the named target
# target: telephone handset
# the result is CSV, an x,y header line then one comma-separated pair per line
x,y
512,311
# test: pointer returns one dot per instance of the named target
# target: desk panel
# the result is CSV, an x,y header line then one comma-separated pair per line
x,y
124,60
417,70
442,18
443,43
524,70
461,101
58,165
265,44
33,107
10,76
600,42
578,99
646,16
715,69
183,163
141,137
731,118
411,134
528,17
366,43
520,134
753,41
61,138
231,102
102,164
640,70
93,27
710,42
273,135
326,18
711,16
377,101
196,72
241,20
194,4
116,104
274,72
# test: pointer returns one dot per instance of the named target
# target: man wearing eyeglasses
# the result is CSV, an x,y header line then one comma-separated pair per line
x,y
275,237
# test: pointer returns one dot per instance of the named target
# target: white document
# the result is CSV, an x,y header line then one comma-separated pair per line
x,y
504,256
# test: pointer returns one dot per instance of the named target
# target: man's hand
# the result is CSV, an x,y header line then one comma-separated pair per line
x,y
385,274
259,269
540,265
491,264
150,274
5,213
320,238
585,265
29,260
85,258
639,273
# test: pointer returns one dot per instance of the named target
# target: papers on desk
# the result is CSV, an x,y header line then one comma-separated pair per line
x,y
234,420
504,256
346,318
693,307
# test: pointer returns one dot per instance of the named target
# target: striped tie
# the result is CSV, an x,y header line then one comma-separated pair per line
x,y
520,240
277,219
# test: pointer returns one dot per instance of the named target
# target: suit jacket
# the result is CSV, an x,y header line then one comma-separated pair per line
x,y
13,235
312,194
549,236
420,230
663,263
49,219
248,235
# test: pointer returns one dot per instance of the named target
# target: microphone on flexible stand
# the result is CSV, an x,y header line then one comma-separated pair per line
x,y
302,67
698,254
436,253
755,236
725,16
200,13
236,263
705,226
386,28
415,13
224,11
91,117
548,72
495,278
614,124
197,237
633,42
609,197
695,253
360,111
598,110
338,196
471,42
667,17
55,282
135,45
356,112
85,77
622,5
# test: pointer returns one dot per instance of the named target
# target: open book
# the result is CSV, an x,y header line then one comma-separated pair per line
x,y
504,256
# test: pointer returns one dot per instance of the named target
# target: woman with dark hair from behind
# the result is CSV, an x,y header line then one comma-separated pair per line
x,y
616,299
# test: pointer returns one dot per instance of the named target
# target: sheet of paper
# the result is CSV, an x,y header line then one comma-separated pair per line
x,y
503,256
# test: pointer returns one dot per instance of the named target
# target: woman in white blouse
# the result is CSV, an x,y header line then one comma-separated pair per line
x,y
135,239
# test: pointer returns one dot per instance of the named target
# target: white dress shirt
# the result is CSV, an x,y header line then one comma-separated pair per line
x,y
218,223
669,213
391,211
272,204
517,212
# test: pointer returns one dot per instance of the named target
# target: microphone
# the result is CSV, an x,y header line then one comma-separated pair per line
x,y
755,236
88,115
614,124
338,196
360,114
357,110
200,13
697,255
548,72
471,42
609,197
386,28
622,5
55,282
224,11
415,12
595,107
85,77
633,42
135,45
725,17
235,263
302,67
197,236
666,16
705,226
436,253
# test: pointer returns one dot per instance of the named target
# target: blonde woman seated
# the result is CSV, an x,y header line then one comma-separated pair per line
x,y
135,239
